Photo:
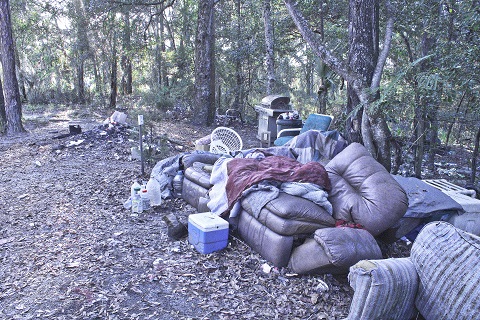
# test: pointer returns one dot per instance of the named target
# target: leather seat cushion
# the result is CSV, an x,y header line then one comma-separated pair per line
x,y
291,215
334,250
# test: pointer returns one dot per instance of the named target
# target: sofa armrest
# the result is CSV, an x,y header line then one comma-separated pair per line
x,y
384,289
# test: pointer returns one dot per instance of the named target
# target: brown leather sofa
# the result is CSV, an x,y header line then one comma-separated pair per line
x,y
295,232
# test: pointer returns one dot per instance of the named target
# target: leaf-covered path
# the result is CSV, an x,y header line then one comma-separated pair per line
x,y
69,250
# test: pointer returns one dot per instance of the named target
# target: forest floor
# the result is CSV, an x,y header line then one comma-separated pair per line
x,y
70,250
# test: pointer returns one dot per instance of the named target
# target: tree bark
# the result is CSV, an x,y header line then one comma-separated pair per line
x,y
3,115
376,135
269,47
113,74
322,92
126,61
81,49
13,105
205,65
475,156
238,102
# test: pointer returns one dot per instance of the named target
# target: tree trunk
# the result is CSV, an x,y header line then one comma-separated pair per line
x,y
113,75
269,43
376,135
361,57
452,123
21,78
238,102
322,92
126,61
80,82
81,49
13,105
475,156
205,65
3,115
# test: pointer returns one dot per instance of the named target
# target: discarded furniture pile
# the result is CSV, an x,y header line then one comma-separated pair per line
x,y
314,205
318,205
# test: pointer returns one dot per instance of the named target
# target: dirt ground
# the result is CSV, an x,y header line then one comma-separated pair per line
x,y
70,250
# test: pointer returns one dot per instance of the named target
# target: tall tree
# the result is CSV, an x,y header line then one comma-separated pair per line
x,y
126,60
113,72
3,115
269,42
205,64
13,105
81,49
374,130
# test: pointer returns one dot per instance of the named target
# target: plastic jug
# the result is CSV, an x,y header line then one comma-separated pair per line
x,y
153,190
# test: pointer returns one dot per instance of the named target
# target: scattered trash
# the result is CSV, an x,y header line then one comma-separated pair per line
x,y
266,268
38,163
116,118
322,286
75,143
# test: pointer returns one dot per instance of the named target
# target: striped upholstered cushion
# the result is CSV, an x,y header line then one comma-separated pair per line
x,y
384,289
447,261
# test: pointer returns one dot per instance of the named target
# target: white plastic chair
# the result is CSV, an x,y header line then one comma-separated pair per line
x,y
225,140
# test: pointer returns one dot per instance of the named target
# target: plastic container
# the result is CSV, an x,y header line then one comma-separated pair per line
x,y
136,201
153,189
132,188
178,184
145,199
207,232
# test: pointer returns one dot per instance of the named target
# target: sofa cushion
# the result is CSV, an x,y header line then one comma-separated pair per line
x,y
447,261
384,289
334,250
198,175
290,215
363,191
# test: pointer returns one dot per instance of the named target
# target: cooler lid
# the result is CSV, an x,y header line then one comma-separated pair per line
x,y
207,221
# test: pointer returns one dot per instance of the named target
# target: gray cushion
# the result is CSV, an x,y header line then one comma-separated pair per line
x,y
447,261
363,191
333,250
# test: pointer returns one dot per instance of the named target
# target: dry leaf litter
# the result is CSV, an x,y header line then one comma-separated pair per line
x,y
70,250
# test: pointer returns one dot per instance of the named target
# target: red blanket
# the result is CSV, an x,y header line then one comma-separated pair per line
x,y
244,173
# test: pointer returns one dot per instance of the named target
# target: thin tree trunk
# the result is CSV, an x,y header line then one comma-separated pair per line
x,y
450,126
113,75
269,44
322,91
126,61
238,63
13,105
80,81
475,156
205,64
3,115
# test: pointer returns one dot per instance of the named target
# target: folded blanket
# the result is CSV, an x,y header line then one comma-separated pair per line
x,y
244,173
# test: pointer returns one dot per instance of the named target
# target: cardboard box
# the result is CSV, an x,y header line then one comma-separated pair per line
x,y
207,232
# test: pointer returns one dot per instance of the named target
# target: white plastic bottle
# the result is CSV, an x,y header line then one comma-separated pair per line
x,y
178,184
153,190
136,201
132,188
145,199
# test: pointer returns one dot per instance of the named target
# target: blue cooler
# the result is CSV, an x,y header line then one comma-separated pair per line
x,y
207,232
